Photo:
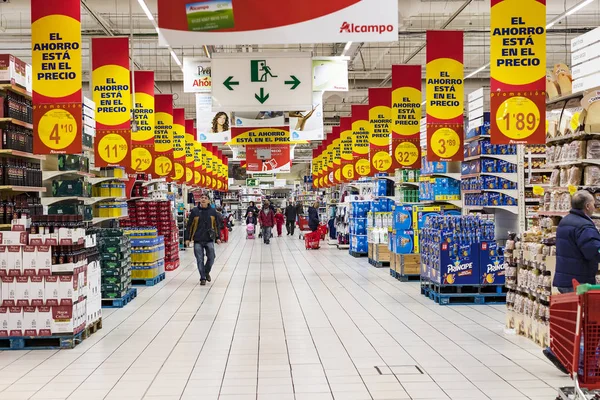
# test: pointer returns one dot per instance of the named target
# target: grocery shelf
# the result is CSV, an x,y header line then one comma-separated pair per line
x,y
565,97
95,181
93,200
575,162
17,122
151,181
98,220
505,175
407,183
530,185
508,192
46,201
5,226
16,89
572,136
47,175
532,200
476,138
36,189
539,170
457,203
512,158
22,154
512,209
452,175
553,213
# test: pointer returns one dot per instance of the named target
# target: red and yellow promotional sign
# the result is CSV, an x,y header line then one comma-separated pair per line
x,y
337,155
56,81
360,140
260,136
226,168
207,165
406,116
518,71
314,168
445,95
178,145
325,152
163,135
144,107
346,149
111,93
189,151
197,163
380,121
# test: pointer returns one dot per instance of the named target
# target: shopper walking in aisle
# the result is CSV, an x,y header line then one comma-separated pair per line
x,y
279,218
299,209
313,216
577,251
266,219
251,208
203,229
290,218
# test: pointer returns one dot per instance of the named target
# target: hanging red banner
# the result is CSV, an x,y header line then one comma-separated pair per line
x,y
380,121
163,136
144,108
347,166
178,145
337,155
445,95
518,71
112,96
406,116
360,140
189,151
56,81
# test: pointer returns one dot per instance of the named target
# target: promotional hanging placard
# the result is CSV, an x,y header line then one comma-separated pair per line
x,y
189,22
208,165
196,75
308,125
360,140
144,108
518,71
261,136
346,149
445,95
56,82
111,93
325,162
215,167
178,145
213,127
313,168
380,121
163,135
406,116
197,163
337,155
278,159
189,151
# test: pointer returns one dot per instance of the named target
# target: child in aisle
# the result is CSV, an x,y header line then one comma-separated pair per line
x,y
279,219
251,218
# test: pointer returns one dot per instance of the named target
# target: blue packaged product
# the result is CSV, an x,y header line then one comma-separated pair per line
x,y
403,218
359,244
509,201
486,147
503,166
489,182
488,165
494,199
491,264
405,242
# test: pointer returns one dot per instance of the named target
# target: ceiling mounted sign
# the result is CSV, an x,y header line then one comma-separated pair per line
x,y
230,22
259,81
196,75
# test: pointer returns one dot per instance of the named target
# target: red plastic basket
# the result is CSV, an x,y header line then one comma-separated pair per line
x,y
312,240
573,316
303,223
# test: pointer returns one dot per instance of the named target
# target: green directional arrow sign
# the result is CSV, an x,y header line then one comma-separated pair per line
x,y
229,83
262,97
294,82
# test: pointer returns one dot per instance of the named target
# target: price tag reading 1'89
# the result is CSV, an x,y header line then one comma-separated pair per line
x,y
518,117
57,129
112,148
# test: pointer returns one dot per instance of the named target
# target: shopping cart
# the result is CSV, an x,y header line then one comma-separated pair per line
x,y
303,226
312,240
575,339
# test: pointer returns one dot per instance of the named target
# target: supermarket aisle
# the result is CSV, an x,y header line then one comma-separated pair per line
x,y
280,322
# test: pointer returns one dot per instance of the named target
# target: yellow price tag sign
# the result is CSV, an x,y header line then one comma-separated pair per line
x,y
538,190
141,159
406,154
362,167
179,171
518,117
382,161
348,172
113,148
572,189
445,142
163,166
57,129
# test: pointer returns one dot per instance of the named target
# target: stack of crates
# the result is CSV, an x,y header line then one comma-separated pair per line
x,y
147,253
115,256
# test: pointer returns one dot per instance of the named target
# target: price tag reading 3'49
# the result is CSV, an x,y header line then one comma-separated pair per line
x,y
57,129
518,117
445,142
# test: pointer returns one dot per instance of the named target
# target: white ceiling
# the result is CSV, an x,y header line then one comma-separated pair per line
x,y
371,62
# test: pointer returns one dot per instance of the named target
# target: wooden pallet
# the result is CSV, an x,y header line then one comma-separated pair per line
x,y
120,302
463,298
93,328
408,277
56,342
148,282
356,254
379,264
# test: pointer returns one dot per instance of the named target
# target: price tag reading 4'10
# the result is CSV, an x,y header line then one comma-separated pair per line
x,y
113,148
518,117
57,129
445,142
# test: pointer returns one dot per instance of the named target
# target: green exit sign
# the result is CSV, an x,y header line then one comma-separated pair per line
x,y
251,182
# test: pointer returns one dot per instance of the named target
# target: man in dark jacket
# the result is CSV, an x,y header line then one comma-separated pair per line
x,y
266,219
299,208
290,218
313,216
577,251
203,228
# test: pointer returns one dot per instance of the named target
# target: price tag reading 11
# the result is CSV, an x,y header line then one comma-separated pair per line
x,y
113,148
57,129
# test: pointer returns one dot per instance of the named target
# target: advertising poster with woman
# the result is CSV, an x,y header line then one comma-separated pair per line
x,y
212,127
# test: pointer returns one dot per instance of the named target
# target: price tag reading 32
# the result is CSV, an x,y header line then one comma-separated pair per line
x,y
406,154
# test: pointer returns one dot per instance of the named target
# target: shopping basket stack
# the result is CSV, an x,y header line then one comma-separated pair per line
x,y
575,335
312,240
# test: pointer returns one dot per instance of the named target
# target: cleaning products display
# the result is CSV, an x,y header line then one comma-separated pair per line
x,y
147,255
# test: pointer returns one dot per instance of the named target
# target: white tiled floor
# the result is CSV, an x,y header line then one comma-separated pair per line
x,y
279,322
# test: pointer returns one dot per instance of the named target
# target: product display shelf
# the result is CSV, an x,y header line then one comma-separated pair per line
x,y
32,189
21,154
16,122
4,87
48,175
512,158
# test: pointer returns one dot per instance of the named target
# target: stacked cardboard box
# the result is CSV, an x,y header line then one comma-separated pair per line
x,y
148,253
115,256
